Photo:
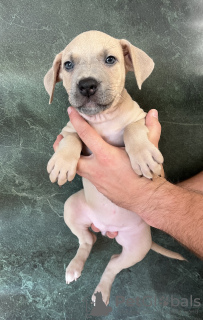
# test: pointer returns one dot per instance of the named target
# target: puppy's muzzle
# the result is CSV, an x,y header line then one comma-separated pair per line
x,y
88,86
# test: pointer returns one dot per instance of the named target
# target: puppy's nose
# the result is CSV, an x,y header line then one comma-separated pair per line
x,y
88,86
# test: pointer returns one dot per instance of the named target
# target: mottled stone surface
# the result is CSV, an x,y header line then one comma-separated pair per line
x,y
36,245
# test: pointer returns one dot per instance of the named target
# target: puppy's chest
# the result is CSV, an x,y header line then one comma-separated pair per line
x,y
111,132
113,137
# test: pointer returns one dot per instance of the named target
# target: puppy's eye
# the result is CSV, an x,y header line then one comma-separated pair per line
x,y
110,60
68,65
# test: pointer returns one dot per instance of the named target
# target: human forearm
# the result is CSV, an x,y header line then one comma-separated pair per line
x,y
195,183
176,211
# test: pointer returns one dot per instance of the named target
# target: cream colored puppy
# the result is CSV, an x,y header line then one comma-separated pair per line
x,y
93,68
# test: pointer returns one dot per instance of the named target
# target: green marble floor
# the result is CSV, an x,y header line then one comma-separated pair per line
x,y
36,246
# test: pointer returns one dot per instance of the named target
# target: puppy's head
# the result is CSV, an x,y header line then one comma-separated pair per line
x,y
93,67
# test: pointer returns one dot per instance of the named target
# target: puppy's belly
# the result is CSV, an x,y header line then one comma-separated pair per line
x,y
107,216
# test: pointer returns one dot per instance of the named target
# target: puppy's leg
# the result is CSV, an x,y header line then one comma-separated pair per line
x,y
76,218
135,247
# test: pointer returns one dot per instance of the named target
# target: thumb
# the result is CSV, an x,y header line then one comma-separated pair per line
x,y
153,126
86,133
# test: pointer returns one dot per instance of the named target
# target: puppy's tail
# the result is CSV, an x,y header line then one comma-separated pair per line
x,y
166,252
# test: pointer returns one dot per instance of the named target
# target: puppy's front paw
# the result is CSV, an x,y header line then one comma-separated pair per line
x,y
147,160
62,167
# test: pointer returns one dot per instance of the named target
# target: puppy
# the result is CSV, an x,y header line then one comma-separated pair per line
x,y
93,67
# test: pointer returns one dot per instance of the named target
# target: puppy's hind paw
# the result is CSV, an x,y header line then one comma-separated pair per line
x,y
73,271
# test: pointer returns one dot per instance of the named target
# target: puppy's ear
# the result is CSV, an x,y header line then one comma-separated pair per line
x,y
138,61
53,76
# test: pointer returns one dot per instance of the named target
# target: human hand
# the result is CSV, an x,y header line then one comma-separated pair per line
x,y
108,167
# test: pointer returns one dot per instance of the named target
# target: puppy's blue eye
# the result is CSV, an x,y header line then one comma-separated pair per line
x,y
110,60
68,65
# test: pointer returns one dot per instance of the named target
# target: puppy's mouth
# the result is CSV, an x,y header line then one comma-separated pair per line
x,y
91,108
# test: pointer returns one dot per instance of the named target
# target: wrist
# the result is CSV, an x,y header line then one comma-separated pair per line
x,y
148,199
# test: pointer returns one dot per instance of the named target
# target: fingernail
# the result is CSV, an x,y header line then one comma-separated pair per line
x,y
155,113
69,110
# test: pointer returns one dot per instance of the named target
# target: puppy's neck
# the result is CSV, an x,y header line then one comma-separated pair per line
x,y
122,103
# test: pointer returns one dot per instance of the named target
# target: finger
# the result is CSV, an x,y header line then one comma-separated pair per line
x,y
85,166
87,134
111,235
95,229
56,143
154,127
